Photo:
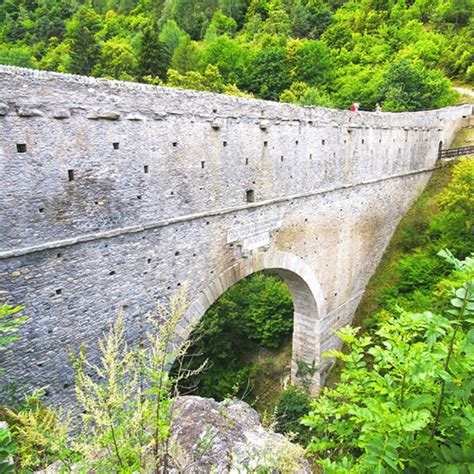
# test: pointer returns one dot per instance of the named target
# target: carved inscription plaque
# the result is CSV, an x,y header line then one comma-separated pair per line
x,y
247,231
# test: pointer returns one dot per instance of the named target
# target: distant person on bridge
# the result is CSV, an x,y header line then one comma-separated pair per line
x,y
378,107
355,107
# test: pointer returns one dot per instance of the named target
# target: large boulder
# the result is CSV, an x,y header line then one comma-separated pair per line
x,y
227,437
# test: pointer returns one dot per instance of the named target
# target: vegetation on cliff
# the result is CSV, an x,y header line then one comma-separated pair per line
x,y
313,52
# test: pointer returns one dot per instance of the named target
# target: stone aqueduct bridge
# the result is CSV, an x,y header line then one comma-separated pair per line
x,y
115,194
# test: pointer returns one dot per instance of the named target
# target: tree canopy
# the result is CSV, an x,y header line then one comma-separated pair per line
x,y
398,53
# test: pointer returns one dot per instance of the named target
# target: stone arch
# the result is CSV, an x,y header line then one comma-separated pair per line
x,y
308,303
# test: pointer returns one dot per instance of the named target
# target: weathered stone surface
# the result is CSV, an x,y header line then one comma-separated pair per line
x,y
61,114
108,114
3,109
227,437
103,114
99,212
135,117
59,467
26,112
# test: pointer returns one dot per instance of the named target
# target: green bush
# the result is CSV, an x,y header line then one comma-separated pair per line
x,y
418,270
404,403
292,405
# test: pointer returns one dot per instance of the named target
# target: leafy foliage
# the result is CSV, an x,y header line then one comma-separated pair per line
x,y
293,404
371,51
10,322
7,449
255,311
405,392
418,274
124,405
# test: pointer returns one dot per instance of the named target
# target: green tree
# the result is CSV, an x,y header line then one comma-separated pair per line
x,y
193,16
320,19
10,322
186,56
268,74
171,34
210,80
403,403
57,57
230,57
300,19
153,56
293,404
13,56
85,48
222,24
410,86
312,63
256,310
117,60
301,93
233,9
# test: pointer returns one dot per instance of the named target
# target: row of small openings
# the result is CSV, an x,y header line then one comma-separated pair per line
x,y
21,147
70,173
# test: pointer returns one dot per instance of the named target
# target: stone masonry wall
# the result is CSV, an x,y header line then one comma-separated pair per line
x,y
117,193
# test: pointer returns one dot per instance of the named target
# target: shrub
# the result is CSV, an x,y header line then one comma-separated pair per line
x,y
418,270
124,405
292,405
404,400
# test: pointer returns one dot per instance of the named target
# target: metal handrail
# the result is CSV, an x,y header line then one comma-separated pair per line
x,y
455,152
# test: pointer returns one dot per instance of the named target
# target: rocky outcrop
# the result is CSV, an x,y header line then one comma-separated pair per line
x,y
227,437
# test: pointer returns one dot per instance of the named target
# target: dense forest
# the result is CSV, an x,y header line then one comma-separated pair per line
x,y
331,53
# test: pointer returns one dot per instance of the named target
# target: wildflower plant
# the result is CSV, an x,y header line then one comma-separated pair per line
x,y
127,398
124,403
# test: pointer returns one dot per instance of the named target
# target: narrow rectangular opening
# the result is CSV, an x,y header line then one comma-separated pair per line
x,y
265,143
175,144
116,145
70,175
145,169
224,143
203,164
246,161
250,195
21,147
